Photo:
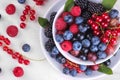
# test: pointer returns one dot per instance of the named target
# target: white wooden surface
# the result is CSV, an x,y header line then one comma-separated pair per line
x,y
37,70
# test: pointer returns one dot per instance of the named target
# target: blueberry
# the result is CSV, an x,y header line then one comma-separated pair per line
x,y
61,59
77,46
59,38
101,55
86,43
83,57
95,40
83,67
79,20
108,62
52,55
55,51
26,47
21,1
93,48
68,35
85,51
66,70
68,18
102,47
73,72
114,13
80,36
82,28
88,72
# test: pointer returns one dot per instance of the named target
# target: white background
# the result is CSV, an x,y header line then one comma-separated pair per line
x,y
36,70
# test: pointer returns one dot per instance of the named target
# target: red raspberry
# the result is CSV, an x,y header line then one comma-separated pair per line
x,y
18,72
60,24
74,29
76,11
64,14
66,45
95,67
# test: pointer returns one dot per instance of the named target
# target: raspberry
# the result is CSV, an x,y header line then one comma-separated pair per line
x,y
66,45
18,72
12,31
74,29
76,11
60,24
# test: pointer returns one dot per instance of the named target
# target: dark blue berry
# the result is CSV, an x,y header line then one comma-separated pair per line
x,y
80,36
77,46
66,70
93,48
108,62
114,13
101,55
26,47
102,46
79,20
82,28
86,43
21,1
88,72
83,57
83,67
61,59
73,72
59,38
68,18
95,40
55,51
68,35
85,51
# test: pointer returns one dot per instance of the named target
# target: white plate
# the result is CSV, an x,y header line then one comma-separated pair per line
x,y
115,60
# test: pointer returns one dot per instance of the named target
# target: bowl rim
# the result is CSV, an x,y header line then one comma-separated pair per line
x,y
68,55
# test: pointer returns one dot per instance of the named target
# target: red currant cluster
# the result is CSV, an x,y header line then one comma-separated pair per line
x,y
27,13
106,28
72,65
39,2
15,55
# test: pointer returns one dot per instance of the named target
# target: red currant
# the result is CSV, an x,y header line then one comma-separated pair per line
x,y
105,39
104,24
1,43
32,17
5,48
95,67
99,19
22,17
114,33
96,32
27,7
113,41
107,33
25,12
95,26
32,12
22,25
92,57
20,60
26,62
105,15
108,20
39,2
90,21
94,16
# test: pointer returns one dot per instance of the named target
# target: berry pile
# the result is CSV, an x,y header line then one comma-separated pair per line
x,y
85,36
27,13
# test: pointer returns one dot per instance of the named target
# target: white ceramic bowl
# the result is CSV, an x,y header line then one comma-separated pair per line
x,y
68,55
58,67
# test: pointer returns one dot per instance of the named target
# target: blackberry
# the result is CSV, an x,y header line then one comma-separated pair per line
x,y
52,16
49,45
48,31
95,8
86,15
82,3
0,16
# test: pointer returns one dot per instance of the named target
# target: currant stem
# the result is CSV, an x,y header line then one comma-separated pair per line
x,y
100,28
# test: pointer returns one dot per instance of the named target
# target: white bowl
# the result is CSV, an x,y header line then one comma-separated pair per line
x,y
58,67
68,55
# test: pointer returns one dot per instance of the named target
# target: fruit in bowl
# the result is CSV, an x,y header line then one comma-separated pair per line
x,y
87,33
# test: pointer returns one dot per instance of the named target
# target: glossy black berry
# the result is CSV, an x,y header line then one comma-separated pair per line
x,y
52,16
82,3
48,32
108,62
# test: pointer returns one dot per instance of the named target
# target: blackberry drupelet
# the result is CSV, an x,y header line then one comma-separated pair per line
x,y
48,31
49,45
86,15
95,8
52,16
82,3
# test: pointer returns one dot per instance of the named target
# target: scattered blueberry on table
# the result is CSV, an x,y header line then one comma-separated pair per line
x,y
21,1
26,47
